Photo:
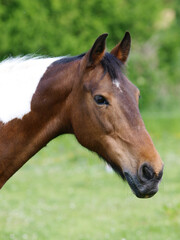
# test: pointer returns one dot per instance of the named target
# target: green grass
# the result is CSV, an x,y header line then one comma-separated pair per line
x,y
64,193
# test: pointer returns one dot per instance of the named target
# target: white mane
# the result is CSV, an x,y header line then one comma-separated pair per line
x,y
19,78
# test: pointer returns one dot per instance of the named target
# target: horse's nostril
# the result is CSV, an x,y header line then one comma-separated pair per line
x,y
146,172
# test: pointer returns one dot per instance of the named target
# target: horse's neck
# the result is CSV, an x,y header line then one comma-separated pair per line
x,y
20,139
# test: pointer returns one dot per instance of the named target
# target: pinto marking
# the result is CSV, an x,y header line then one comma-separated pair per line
x,y
19,79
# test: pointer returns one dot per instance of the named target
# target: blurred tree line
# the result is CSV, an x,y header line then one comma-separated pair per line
x,y
57,27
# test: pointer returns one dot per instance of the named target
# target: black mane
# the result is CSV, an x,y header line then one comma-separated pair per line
x,y
109,62
69,59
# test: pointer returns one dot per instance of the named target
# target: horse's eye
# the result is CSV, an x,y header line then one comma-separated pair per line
x,y
100,100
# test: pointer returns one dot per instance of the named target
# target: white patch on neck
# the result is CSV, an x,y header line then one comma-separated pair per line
x,y
19,78
117,84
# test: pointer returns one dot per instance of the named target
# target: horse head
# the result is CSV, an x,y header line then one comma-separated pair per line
x,y
106,119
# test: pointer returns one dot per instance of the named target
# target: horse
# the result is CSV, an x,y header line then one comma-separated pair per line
x,y
86,95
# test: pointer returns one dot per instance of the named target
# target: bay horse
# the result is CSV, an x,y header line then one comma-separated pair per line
x,y
87,95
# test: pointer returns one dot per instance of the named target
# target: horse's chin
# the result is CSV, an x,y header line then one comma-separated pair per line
x,y
140,189
117,169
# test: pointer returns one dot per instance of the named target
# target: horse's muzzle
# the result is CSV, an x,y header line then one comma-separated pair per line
x,y
145,183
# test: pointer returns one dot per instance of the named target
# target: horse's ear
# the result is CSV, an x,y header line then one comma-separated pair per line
x,y
121,51
97,51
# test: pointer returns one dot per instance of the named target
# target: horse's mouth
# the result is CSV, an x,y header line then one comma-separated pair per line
x,y
139,189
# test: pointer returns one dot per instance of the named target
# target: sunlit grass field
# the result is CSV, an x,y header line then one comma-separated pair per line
x,y
64,193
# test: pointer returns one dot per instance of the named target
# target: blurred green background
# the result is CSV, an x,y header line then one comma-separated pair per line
x,y
64,191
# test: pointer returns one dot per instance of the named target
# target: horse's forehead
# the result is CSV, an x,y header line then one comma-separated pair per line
x,y
124,86
125,94
120,85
